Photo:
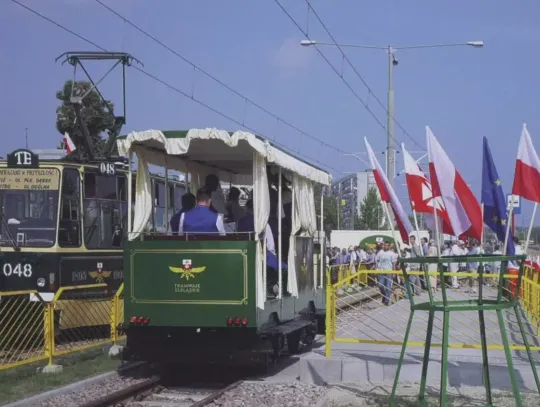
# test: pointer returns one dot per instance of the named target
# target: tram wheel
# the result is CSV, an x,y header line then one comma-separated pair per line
x,y
278,342
293,342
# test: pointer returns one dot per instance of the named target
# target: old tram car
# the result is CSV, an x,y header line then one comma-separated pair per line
x,y
63,224
197,298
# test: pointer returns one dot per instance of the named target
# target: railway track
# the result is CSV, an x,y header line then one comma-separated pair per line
x,y
152,393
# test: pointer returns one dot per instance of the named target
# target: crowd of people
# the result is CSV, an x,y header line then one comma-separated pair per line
x,y
384,256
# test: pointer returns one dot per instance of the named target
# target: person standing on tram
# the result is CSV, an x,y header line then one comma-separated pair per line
x,y
201,219
212,185
188,202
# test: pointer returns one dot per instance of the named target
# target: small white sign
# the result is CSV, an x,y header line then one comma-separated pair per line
x,y
513,201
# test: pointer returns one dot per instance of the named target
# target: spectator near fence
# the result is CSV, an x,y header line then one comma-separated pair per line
x,y
416,251
385,260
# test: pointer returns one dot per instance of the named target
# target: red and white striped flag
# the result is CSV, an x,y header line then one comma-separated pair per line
x,y
388,195
527,176
464,211
69,146
421,194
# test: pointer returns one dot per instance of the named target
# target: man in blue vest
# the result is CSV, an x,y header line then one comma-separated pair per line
x,y
201,219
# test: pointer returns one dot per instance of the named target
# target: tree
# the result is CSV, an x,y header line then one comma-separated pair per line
x,y
94,112
357,223
371,211
329,209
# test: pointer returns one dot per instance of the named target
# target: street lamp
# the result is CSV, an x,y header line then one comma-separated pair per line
x,y
357,157
392,61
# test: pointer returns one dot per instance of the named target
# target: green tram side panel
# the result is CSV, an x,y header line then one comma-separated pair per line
x,y
191,284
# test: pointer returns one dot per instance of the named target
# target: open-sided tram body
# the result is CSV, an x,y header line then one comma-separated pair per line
x,y
198,298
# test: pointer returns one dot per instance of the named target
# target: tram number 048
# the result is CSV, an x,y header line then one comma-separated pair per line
x,y
21,270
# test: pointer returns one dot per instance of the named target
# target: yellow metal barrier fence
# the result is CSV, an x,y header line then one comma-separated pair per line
x,y
77,318
355,312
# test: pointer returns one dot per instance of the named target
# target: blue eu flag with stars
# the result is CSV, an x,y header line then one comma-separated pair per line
x,y
493,199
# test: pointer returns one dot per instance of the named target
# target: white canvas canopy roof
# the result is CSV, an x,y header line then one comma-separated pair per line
x,y
226,154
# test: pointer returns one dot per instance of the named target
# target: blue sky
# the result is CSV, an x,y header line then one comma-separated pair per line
x,y
462,93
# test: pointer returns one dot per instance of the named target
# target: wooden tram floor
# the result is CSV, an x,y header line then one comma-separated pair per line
x,y
376,362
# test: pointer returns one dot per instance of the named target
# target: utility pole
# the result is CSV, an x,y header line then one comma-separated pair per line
x,y
390,140
26,136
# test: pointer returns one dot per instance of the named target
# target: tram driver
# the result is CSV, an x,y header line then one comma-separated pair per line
x,y
201,219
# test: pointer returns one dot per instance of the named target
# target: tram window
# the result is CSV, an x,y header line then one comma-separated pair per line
x,y
30,214
69,233
122,188
105,211
89,185
178,192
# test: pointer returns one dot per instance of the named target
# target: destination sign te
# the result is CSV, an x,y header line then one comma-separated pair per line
x,y
22,158
47,179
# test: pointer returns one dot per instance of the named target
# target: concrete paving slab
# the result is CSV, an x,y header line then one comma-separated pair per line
x,y
359,362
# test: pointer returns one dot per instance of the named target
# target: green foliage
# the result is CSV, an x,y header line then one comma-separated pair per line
x,y
94,112
357,225
371,212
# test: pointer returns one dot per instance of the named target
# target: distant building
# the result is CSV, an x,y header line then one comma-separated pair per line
x,y
350,191
49,153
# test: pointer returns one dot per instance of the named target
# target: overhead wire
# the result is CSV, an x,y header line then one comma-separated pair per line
x,y
340,75
217,80
172,87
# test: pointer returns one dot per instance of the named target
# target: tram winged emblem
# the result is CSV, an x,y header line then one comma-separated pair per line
x,y
100,275
187,270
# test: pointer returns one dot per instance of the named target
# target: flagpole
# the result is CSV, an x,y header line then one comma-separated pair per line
x,y
530,226
417,231
508,222
391,226
437,235
482,232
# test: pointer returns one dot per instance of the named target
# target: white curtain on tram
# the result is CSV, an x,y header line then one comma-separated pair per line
x,y
143,196
303,218
261,209
292,282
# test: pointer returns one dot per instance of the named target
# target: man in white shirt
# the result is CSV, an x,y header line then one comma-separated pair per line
x,y
385,260
415,251
361,254
455,250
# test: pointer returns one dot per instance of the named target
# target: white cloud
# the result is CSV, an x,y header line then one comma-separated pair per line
x,y
291,55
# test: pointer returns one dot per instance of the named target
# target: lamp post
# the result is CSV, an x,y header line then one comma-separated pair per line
x,y
392,61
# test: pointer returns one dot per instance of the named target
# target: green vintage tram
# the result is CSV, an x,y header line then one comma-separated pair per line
x,y
195,297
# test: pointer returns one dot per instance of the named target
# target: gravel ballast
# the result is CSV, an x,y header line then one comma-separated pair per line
x,y
92,392
264,394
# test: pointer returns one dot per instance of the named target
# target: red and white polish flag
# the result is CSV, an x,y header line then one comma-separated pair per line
x,y
388,195
527,176
421,194
464,211
69,146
